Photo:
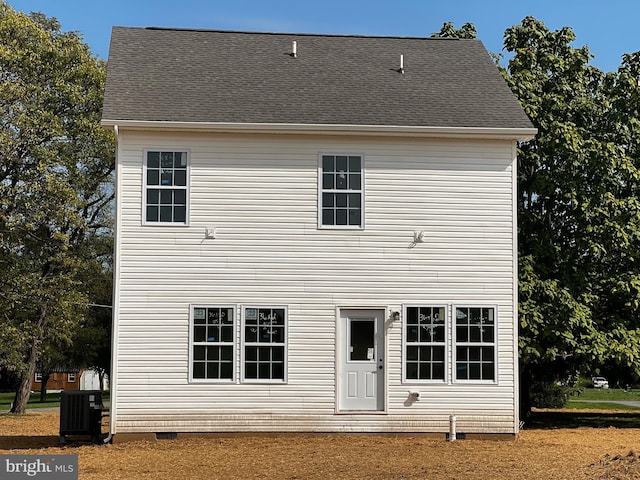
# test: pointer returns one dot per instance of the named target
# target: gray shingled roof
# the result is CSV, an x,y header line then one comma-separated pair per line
x,y
182,75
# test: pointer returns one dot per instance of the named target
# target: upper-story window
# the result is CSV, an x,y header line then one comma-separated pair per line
x,y
165,187
341,191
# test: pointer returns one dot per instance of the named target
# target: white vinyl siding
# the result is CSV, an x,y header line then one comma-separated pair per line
x,y
260,193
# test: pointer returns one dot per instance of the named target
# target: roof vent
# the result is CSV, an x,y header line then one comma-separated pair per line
x,y
294,49
401,69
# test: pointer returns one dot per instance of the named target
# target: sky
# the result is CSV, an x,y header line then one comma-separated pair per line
x,y
608,27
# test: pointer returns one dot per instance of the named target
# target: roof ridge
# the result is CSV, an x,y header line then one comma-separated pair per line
x,y
299,34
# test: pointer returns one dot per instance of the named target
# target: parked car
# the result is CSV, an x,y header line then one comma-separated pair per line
x,y
600,382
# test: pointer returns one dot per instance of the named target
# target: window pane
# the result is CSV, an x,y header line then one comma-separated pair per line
x,y
355,216
226,334
166,214
487,334
180,214
341,164
354,182
153,159
462,334
277,354
277,334
354,164
251,334
166,159
412,371
166,178
166,197
327,216
226,370
251,354
341,216
412,315
438,354
438,333
213,353
264,354
153,177
213,370
474,354
461,315
180,178
341,181
412,353
251,370
354,200
474,333
152,214
488,371
461,353
341,199
412,333
474,371
264,370
361,334
153,196
327,199
438,371
198,369
180,160
213,334
327,181
278,371
199,334
198,353
226,353
328,163
462,372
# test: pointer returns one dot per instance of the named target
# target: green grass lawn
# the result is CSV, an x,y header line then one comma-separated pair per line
x,y
604,395
599,406
53,400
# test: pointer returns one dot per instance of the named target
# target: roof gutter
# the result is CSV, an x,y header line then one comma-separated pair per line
x,y
521,134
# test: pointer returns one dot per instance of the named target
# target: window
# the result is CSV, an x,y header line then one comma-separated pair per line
x,y
475,343
341,192
71,377
38,377
264,338
165,187
212,343
425,336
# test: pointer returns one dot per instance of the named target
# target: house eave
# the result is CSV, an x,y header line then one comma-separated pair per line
x,y
514,134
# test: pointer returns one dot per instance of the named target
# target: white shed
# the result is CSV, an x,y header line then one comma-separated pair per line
x,y
320,241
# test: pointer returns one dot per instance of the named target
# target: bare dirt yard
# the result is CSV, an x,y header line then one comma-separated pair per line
x,y
542,452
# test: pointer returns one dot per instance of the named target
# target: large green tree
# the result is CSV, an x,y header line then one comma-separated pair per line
x,y
579,214
56,164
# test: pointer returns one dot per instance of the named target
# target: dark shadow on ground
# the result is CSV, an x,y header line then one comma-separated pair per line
x,y
28,442
551,419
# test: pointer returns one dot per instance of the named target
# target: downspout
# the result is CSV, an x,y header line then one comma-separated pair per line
x,y
114,310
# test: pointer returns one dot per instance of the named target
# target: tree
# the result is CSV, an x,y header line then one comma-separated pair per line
x,y
448,30
579,215
55,188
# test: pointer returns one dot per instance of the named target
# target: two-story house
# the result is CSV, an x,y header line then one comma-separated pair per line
x,y
313,233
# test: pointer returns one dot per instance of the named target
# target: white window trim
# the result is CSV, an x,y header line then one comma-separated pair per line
x,y
445,343
71,377
144,187
38,377
361,191
233,343
454,345
285,380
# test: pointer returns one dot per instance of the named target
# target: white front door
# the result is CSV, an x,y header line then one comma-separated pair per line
x,y
361,364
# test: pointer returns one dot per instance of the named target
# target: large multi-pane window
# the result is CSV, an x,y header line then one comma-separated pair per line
x,y
425,347
264,343
475,338
341,191
212,343
165,187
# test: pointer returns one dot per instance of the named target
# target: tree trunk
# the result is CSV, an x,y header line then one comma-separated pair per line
x,y
24,389
43,386
101,379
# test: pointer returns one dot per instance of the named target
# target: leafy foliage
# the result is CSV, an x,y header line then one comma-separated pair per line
x,y
55,190
579,214
448,30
